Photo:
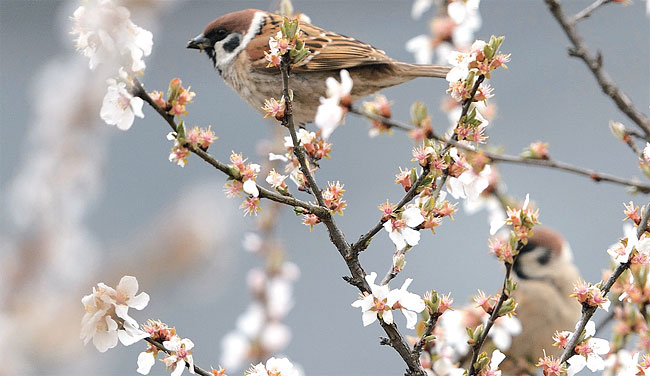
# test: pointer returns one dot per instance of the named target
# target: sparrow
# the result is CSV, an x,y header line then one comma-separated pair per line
x,y
236,43
545,276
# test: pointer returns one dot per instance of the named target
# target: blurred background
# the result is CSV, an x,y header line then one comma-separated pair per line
x,y
83,202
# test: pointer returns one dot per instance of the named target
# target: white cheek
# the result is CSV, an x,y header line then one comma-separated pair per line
x,y
223,57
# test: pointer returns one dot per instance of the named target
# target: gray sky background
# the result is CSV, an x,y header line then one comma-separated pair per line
x,y
544,95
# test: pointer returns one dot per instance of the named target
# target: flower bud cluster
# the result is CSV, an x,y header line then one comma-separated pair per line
x,y
179,350
591,295
243,179
422,122
184,141
536,150
380,107
286,41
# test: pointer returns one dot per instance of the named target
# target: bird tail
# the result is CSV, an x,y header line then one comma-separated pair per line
x,y
423,70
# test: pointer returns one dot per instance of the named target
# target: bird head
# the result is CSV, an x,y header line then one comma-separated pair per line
x,y
227,36
544,256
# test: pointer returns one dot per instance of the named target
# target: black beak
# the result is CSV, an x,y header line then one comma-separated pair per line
x,y
199,43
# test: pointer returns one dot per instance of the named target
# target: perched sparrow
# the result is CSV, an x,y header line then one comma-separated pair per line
x,y
545,277
236,43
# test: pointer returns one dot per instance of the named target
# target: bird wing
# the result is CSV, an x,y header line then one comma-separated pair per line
x,y
329,51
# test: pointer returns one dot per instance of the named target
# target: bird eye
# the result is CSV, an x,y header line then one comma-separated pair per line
x,y
545,257
222,32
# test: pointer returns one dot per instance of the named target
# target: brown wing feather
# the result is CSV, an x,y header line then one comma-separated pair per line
x,y
330,51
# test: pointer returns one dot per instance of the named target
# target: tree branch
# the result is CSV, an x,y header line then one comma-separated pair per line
x,y
364,240
139,91
588,311
476,348
592,174
594,63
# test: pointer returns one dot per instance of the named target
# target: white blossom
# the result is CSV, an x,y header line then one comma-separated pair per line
x,y
382,300
497,358
469,184
401,232
180,356
620,253
504,329
146,360
104,306
274,366
597,347
621,363
419,7
120,107
329,114
421,48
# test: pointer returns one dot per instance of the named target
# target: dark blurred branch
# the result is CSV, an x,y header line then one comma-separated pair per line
x,y
595,64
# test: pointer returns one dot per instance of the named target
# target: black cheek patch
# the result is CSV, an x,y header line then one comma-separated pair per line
x,y
232,44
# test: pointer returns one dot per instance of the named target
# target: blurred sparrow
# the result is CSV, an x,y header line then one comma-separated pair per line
x,y
236,43
545,277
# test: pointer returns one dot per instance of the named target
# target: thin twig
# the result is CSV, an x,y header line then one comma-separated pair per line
x,y
140,92
594,63
588,311
592,174
431,325
476,348
588,10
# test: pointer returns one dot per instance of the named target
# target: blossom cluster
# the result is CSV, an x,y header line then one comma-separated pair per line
x,y
107,319
273,367
467,67
286,41
106,35
451,28
382,301
380,106
177,98
178,354
185,140
522,220
104,30
631,249
591,295
315,148
244,180
443,352
469,174
588,350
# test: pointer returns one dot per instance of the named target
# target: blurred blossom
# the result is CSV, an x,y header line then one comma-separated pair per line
x,y
260,324
105,31
419,7
422,48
